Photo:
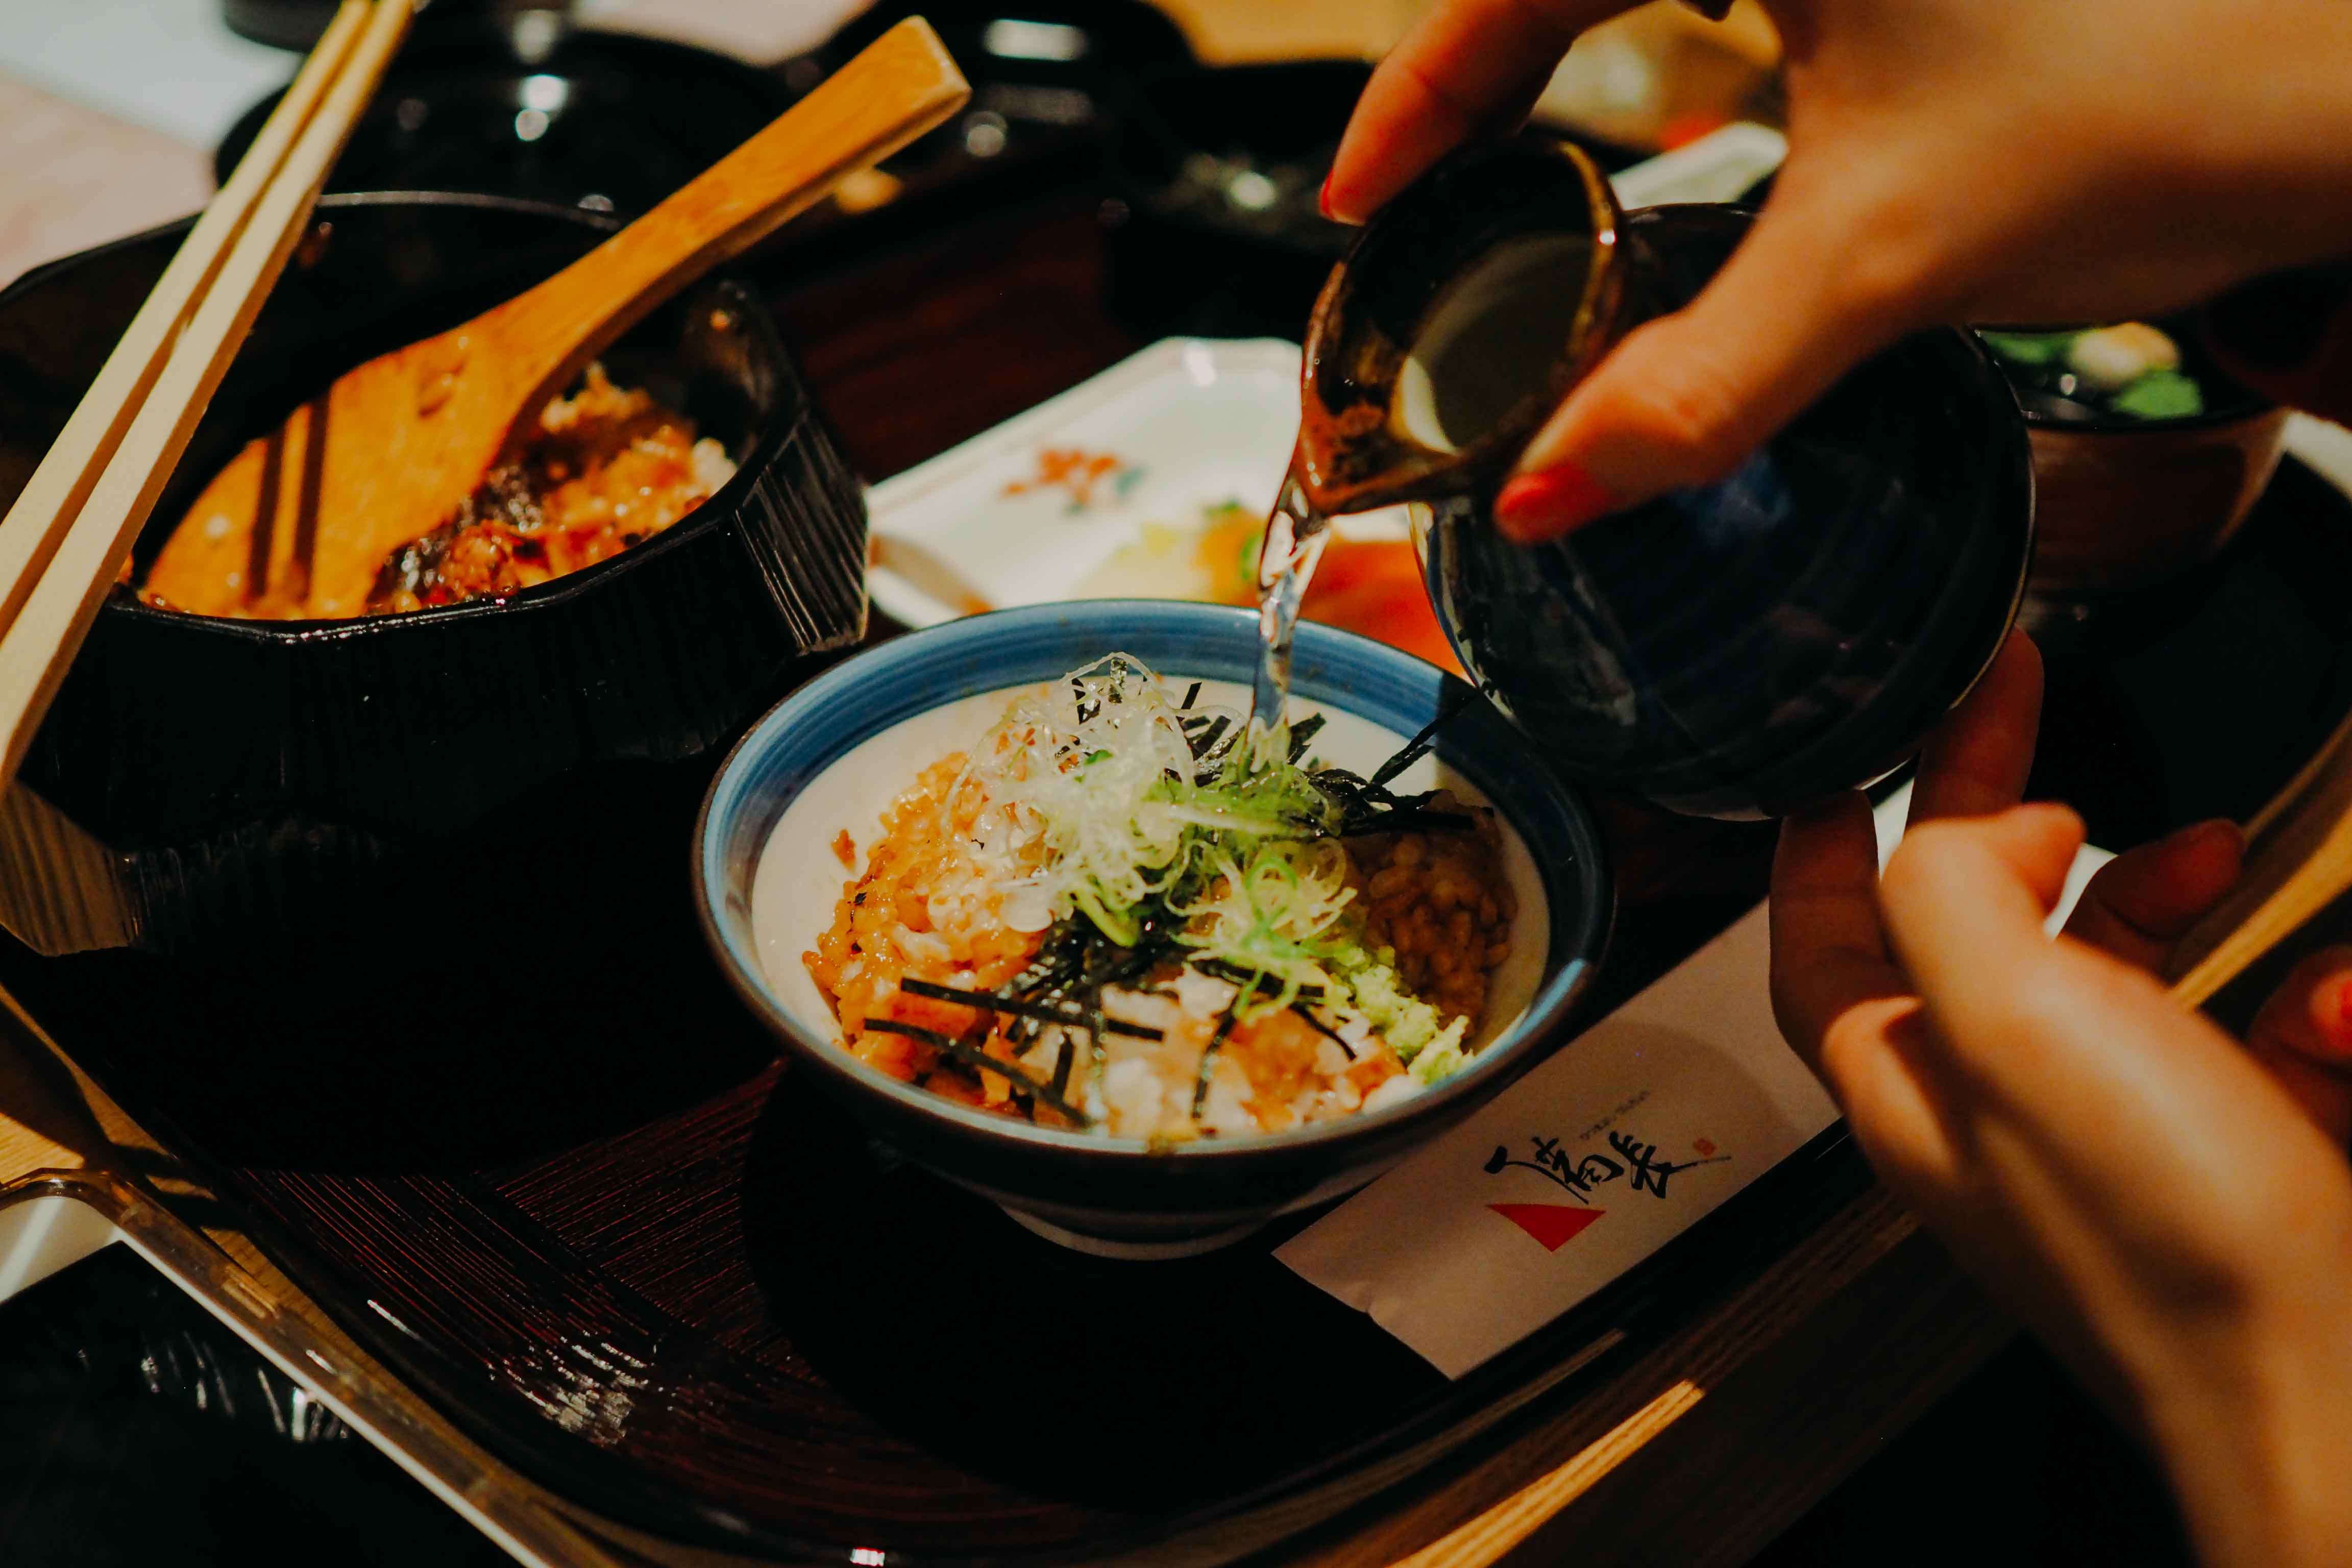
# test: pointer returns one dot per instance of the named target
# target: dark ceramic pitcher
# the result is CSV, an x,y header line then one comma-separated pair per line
x,y
1732,649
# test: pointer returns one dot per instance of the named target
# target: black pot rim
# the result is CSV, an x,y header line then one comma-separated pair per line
x,y
2243,413
713,512
453,49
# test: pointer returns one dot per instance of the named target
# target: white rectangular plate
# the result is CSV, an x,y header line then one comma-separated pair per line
x,y
1182,426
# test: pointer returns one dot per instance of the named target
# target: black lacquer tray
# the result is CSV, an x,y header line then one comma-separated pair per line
x,y
545,1168
135,1428
553,1177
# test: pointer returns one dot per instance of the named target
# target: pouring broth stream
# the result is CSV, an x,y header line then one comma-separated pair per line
x,y
1485,344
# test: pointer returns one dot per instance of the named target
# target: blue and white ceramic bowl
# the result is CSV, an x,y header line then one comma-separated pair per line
x,y
832,757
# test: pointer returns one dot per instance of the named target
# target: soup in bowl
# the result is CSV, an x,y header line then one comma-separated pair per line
x,y
2146,455
1025,893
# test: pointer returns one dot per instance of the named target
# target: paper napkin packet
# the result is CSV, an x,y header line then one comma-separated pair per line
x,y
1631,1133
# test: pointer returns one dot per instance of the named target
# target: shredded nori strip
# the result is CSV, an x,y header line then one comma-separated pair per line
x,y
1369,807
1204,740
1208,1058
1019,1007
1248,979
1413,751
1066,1057
1076,961
972,1056
1322,1028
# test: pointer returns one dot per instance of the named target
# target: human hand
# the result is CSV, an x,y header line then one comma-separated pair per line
x,y
2170,1210
1949,161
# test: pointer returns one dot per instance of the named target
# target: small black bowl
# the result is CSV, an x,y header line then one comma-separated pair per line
x,y
201,779
2127,504
528,107
1743,648
1047,77
1091,47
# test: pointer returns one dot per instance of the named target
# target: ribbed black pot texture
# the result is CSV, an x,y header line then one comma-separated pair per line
x,y
200,779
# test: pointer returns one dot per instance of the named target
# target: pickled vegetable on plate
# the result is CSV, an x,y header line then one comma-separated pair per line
x,y
1369,585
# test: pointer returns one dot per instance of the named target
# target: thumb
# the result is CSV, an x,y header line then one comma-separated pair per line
x,y
1684,399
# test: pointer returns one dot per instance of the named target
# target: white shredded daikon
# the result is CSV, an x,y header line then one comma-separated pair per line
x,y
1075,769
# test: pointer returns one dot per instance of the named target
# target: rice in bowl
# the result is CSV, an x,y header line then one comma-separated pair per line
x,y
1115,908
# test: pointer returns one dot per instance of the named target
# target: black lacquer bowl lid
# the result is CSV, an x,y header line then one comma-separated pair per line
x,y
1740,648
200,778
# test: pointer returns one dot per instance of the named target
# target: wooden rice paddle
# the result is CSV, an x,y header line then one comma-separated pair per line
x,y
405,439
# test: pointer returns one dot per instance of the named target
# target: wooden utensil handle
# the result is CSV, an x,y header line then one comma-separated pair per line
x,y
2299,861
900,86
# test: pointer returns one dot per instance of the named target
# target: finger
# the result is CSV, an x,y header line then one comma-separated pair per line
x,y
2144,900
1466,68
1844,1008
2088,1097
2086,1059
1976,762
2302,1036
1885,1075
1919,1123
1964,901
1685,398
1828,952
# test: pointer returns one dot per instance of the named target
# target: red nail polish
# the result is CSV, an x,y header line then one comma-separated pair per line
x,y
1323,201
1562,498
2330,1005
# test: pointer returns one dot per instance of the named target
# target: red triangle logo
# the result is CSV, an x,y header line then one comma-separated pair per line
x,y
1553,1225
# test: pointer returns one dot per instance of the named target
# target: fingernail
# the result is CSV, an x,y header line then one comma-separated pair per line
x,y
1544,505
1323,201
2337,1019
2279,322
2216,829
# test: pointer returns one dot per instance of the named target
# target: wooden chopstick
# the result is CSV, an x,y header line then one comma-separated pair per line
x,y
51,498
68,543
2299,861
